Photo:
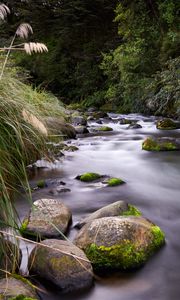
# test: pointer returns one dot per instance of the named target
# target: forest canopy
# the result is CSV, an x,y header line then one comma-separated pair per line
x,y
120,55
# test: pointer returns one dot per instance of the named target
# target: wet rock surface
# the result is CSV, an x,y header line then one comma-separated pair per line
x,y
62,263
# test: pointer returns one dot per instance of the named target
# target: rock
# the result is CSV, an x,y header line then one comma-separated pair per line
x,y
134,126
10,288
119,208
161,144
124,121
81,129
99,115
41,184
59,266
91,109
57,128
90,118
113,181
167,124
99,122
58,190
78,120
47,218
10,257
89,177
119,242
104,128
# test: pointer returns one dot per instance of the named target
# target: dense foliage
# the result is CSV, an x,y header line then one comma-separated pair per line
x,y
104,52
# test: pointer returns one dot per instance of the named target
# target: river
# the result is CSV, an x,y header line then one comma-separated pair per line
x,y
152,185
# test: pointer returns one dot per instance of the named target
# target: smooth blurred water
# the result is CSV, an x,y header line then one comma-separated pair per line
x,y
152,184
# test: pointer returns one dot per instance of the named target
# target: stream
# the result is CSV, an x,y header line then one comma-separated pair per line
x,y
152,185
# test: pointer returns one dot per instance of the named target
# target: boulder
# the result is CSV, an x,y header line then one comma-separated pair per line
x,y
119,242
78,120
62,263
81,129
47,218
161,144
124,121
104,128
167,124
57,127
10,257
99,114
89,177
134,126
113,181
119,208
10,288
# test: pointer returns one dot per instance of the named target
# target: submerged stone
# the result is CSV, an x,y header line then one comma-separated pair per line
x,y
161,144
105,128
167,124
63,264
88,177
118,208
114,181
119,242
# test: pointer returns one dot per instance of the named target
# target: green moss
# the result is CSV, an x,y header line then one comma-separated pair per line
x,y
88,177
123,256
41,183
132,211
166,124
24,225
114,181
105,128
151,145
158,237
26,281
21,297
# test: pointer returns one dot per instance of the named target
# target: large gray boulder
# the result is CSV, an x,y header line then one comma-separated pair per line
x,y
78,120
62,263
10,257
58,127
119,242
13,287
118,208
47,218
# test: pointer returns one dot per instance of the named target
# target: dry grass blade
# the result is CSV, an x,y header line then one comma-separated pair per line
x,y
33,120
24,30
35,48
4,11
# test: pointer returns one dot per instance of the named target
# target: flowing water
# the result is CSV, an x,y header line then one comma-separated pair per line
x,y
152,185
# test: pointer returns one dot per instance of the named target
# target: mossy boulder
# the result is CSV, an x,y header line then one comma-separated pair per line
x,y
10,257
47,218
113,181
17,289
124,121
104,128
99,114
78,120
119,242
161,144
61,263
118,208
81,129
167,124
58,129
89,177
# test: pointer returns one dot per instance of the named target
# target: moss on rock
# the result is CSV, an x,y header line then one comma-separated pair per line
x,y
114,181
159,145
166,124
105,128
123,256
88,177
131,211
